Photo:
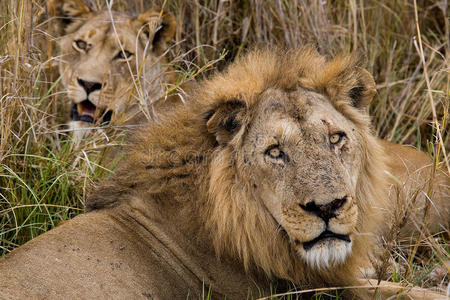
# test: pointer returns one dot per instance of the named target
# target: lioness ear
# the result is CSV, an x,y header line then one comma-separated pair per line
x,y
69,14
157,26
226,120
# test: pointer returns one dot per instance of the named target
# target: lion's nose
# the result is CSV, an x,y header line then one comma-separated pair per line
x,y
89,86
325,211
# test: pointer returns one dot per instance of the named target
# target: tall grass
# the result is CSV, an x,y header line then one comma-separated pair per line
x,y
44,179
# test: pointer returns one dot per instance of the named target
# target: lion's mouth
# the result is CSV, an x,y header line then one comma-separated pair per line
x,y
325,235
86,111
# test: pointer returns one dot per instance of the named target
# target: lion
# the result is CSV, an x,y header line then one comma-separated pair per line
x,y
420,187
109,60
269,175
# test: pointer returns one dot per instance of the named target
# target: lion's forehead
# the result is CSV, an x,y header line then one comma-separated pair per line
x,y
115,18
101,31
303,109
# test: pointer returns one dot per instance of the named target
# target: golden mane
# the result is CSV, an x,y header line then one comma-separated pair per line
x,y
178,161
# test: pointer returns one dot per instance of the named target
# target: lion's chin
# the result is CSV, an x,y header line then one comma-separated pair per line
x,y
326,253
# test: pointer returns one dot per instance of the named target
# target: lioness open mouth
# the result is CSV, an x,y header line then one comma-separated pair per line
x,y
85,111
324,235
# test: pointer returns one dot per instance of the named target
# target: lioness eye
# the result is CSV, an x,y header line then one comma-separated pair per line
x,y
123,55
80,45
336,138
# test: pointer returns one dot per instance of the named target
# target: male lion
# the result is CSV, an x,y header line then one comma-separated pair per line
x,y
270,173
109,60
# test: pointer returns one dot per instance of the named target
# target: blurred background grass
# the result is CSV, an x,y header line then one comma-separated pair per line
x,y
43,180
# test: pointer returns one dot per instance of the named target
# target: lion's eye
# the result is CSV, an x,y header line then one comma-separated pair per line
x,y
275,152
336,138
123,55
80,45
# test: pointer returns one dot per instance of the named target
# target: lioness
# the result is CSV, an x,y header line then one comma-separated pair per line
x,y
270,173
109,60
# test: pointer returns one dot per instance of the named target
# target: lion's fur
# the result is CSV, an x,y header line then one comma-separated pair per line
x,y
186,185
420,190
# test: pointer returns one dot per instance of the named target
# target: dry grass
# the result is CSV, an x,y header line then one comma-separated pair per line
x,y
405,44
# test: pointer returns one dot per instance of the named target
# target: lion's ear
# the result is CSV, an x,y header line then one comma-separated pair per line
x,y
157,26
351,83
226,120
342,80
69,15
362,92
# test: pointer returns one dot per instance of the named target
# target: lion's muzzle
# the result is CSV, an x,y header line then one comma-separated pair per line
x,y
326,211
322,231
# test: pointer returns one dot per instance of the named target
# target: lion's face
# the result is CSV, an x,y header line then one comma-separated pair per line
x,y
109,60
96,70
295,170
302,149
